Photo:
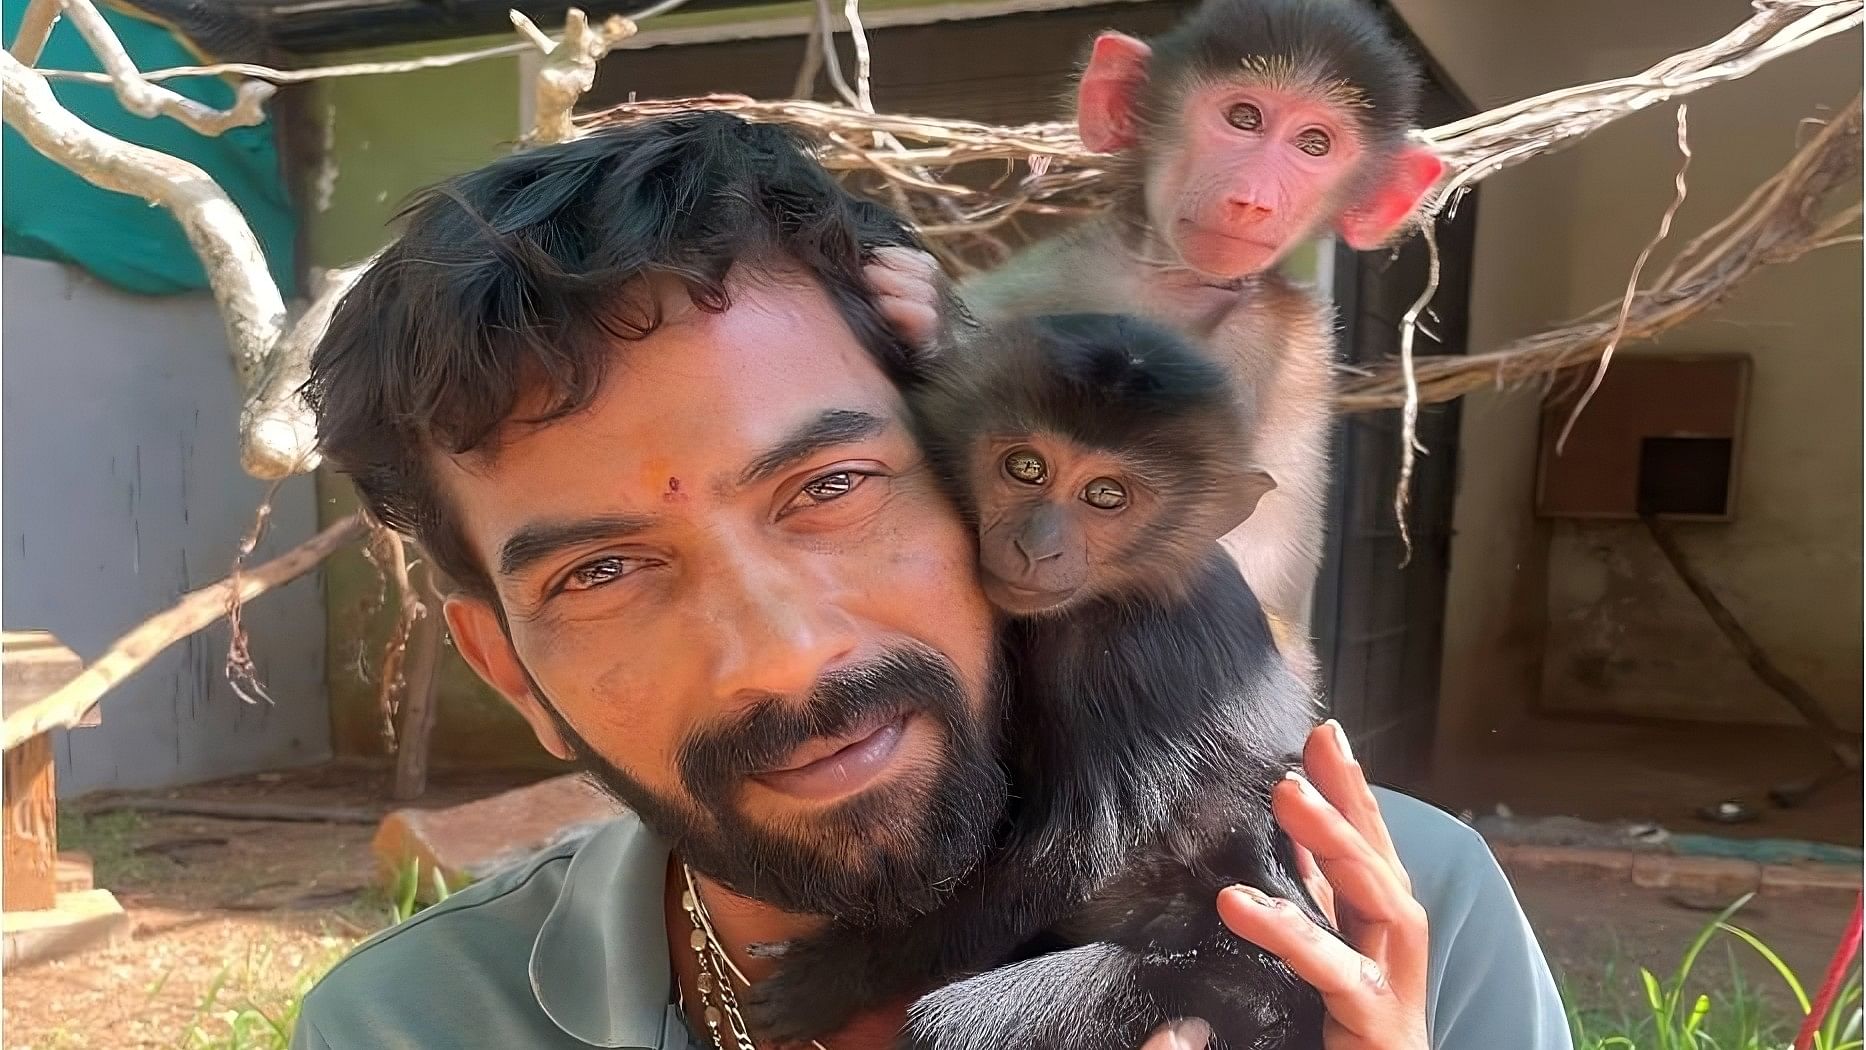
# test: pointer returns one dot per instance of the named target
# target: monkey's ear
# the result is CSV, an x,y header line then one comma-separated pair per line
x,y
1251,486
1110,89
1410,175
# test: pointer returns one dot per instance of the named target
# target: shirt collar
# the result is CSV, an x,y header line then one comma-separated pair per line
x,y
599,967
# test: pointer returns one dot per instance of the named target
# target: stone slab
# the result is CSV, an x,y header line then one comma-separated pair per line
x,y
82,921
471,841
74,873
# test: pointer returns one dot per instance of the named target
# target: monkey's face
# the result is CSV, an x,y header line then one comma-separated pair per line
x,y
1056,521
1250,170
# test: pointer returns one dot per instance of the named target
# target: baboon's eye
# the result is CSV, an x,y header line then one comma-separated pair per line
x,y
1105,493
1314,141
1026,466
1245,116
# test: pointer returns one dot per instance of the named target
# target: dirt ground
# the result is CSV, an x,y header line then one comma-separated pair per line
x,y
229,911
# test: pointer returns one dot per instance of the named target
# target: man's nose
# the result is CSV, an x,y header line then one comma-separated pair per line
x,y
777,630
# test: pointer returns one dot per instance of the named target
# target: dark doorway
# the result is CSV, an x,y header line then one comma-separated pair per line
x,y
1380,627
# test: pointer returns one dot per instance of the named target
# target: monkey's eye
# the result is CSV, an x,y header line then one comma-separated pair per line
x,y
1026,466
1245,116
1314,141
1105,494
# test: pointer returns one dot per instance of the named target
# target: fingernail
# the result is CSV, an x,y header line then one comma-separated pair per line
x,y
1256,896
1191,1034
1303,783
1341,738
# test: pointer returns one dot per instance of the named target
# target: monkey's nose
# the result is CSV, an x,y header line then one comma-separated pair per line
x,y
1244,209
1037,552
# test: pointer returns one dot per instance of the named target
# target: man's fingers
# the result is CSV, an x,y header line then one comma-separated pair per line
x,y
1366,886
1355,990
1329,764
1188,1034
1311,875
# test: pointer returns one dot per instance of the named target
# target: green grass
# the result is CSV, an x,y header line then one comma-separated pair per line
x,y
110,840
263,1017
1686,1009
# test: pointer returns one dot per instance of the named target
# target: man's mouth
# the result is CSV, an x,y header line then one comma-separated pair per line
x,y
829,768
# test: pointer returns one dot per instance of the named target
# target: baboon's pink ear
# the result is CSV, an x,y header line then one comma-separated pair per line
x,y
1109,91
1411,175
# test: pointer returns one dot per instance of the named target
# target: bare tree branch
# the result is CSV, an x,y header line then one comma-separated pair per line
x,y
146,641
1785,218
35,27
278,434
569,68
148,100
236,268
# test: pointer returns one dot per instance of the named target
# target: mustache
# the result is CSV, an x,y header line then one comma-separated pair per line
x,y
901,681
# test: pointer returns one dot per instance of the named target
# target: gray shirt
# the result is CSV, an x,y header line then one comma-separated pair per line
x,y
570,950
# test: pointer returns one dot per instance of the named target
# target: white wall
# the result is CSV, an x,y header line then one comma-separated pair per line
x,y
1589,618
123,490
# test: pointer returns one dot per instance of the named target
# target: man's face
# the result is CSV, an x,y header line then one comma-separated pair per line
x,y
734,591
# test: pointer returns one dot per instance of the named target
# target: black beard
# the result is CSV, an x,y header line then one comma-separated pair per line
x,y
890,852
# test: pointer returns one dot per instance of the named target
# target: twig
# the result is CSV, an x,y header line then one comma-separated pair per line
x,y
35,27
148,100
1409,415
812,66
864,94
278,433
419,699
1679,190
144,642
240,671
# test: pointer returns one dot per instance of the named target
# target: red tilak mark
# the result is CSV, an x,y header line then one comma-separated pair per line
x,y
673,493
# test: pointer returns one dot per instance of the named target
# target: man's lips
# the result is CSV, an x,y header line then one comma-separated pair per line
x,y
830,767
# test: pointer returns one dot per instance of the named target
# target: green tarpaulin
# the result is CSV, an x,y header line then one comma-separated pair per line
x,y
48,213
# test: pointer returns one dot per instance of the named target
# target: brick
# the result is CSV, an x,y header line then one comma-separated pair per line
x,y
1825,880
1721,878
471,841
1528,856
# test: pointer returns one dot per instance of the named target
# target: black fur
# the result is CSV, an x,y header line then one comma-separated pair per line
x,y
1149,724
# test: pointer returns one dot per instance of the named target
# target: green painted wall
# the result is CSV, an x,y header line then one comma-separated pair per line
x,y
386,137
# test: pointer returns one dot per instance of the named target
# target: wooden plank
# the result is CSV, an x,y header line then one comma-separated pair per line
x,y
35,666
30,838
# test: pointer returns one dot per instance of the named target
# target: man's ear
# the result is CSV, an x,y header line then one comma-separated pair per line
x,y
1250,488
1410,175
486,649
1109,93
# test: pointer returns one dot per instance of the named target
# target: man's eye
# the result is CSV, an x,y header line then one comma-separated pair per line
x,y
1245,116
1314,141
597,573
829,488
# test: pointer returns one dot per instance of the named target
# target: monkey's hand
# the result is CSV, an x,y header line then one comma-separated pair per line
x,y
909,289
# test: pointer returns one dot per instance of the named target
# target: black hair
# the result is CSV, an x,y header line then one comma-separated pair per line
x,y
1342,40
509,282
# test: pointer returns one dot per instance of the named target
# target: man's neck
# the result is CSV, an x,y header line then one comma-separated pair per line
x,y
737,923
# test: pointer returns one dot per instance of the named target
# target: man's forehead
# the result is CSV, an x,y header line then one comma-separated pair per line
x,y
695,400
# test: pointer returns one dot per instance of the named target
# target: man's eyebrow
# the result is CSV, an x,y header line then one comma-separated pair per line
x,y
837,426
539,540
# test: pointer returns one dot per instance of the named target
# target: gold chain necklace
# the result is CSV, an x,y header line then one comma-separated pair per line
x,y
717,974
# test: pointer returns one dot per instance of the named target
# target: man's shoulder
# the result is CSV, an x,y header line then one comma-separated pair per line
x,y
1446,859
460,968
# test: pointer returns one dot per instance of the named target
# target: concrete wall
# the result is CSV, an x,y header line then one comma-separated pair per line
x,y
123,490
1557,237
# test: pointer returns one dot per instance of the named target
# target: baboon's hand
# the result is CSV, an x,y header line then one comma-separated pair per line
x,y
907,285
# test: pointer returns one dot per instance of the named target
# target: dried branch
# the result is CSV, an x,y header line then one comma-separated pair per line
x,y
143,643
1779,222
35,28
148,100
1679,191
569,68
1075,179
236,268
278,433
